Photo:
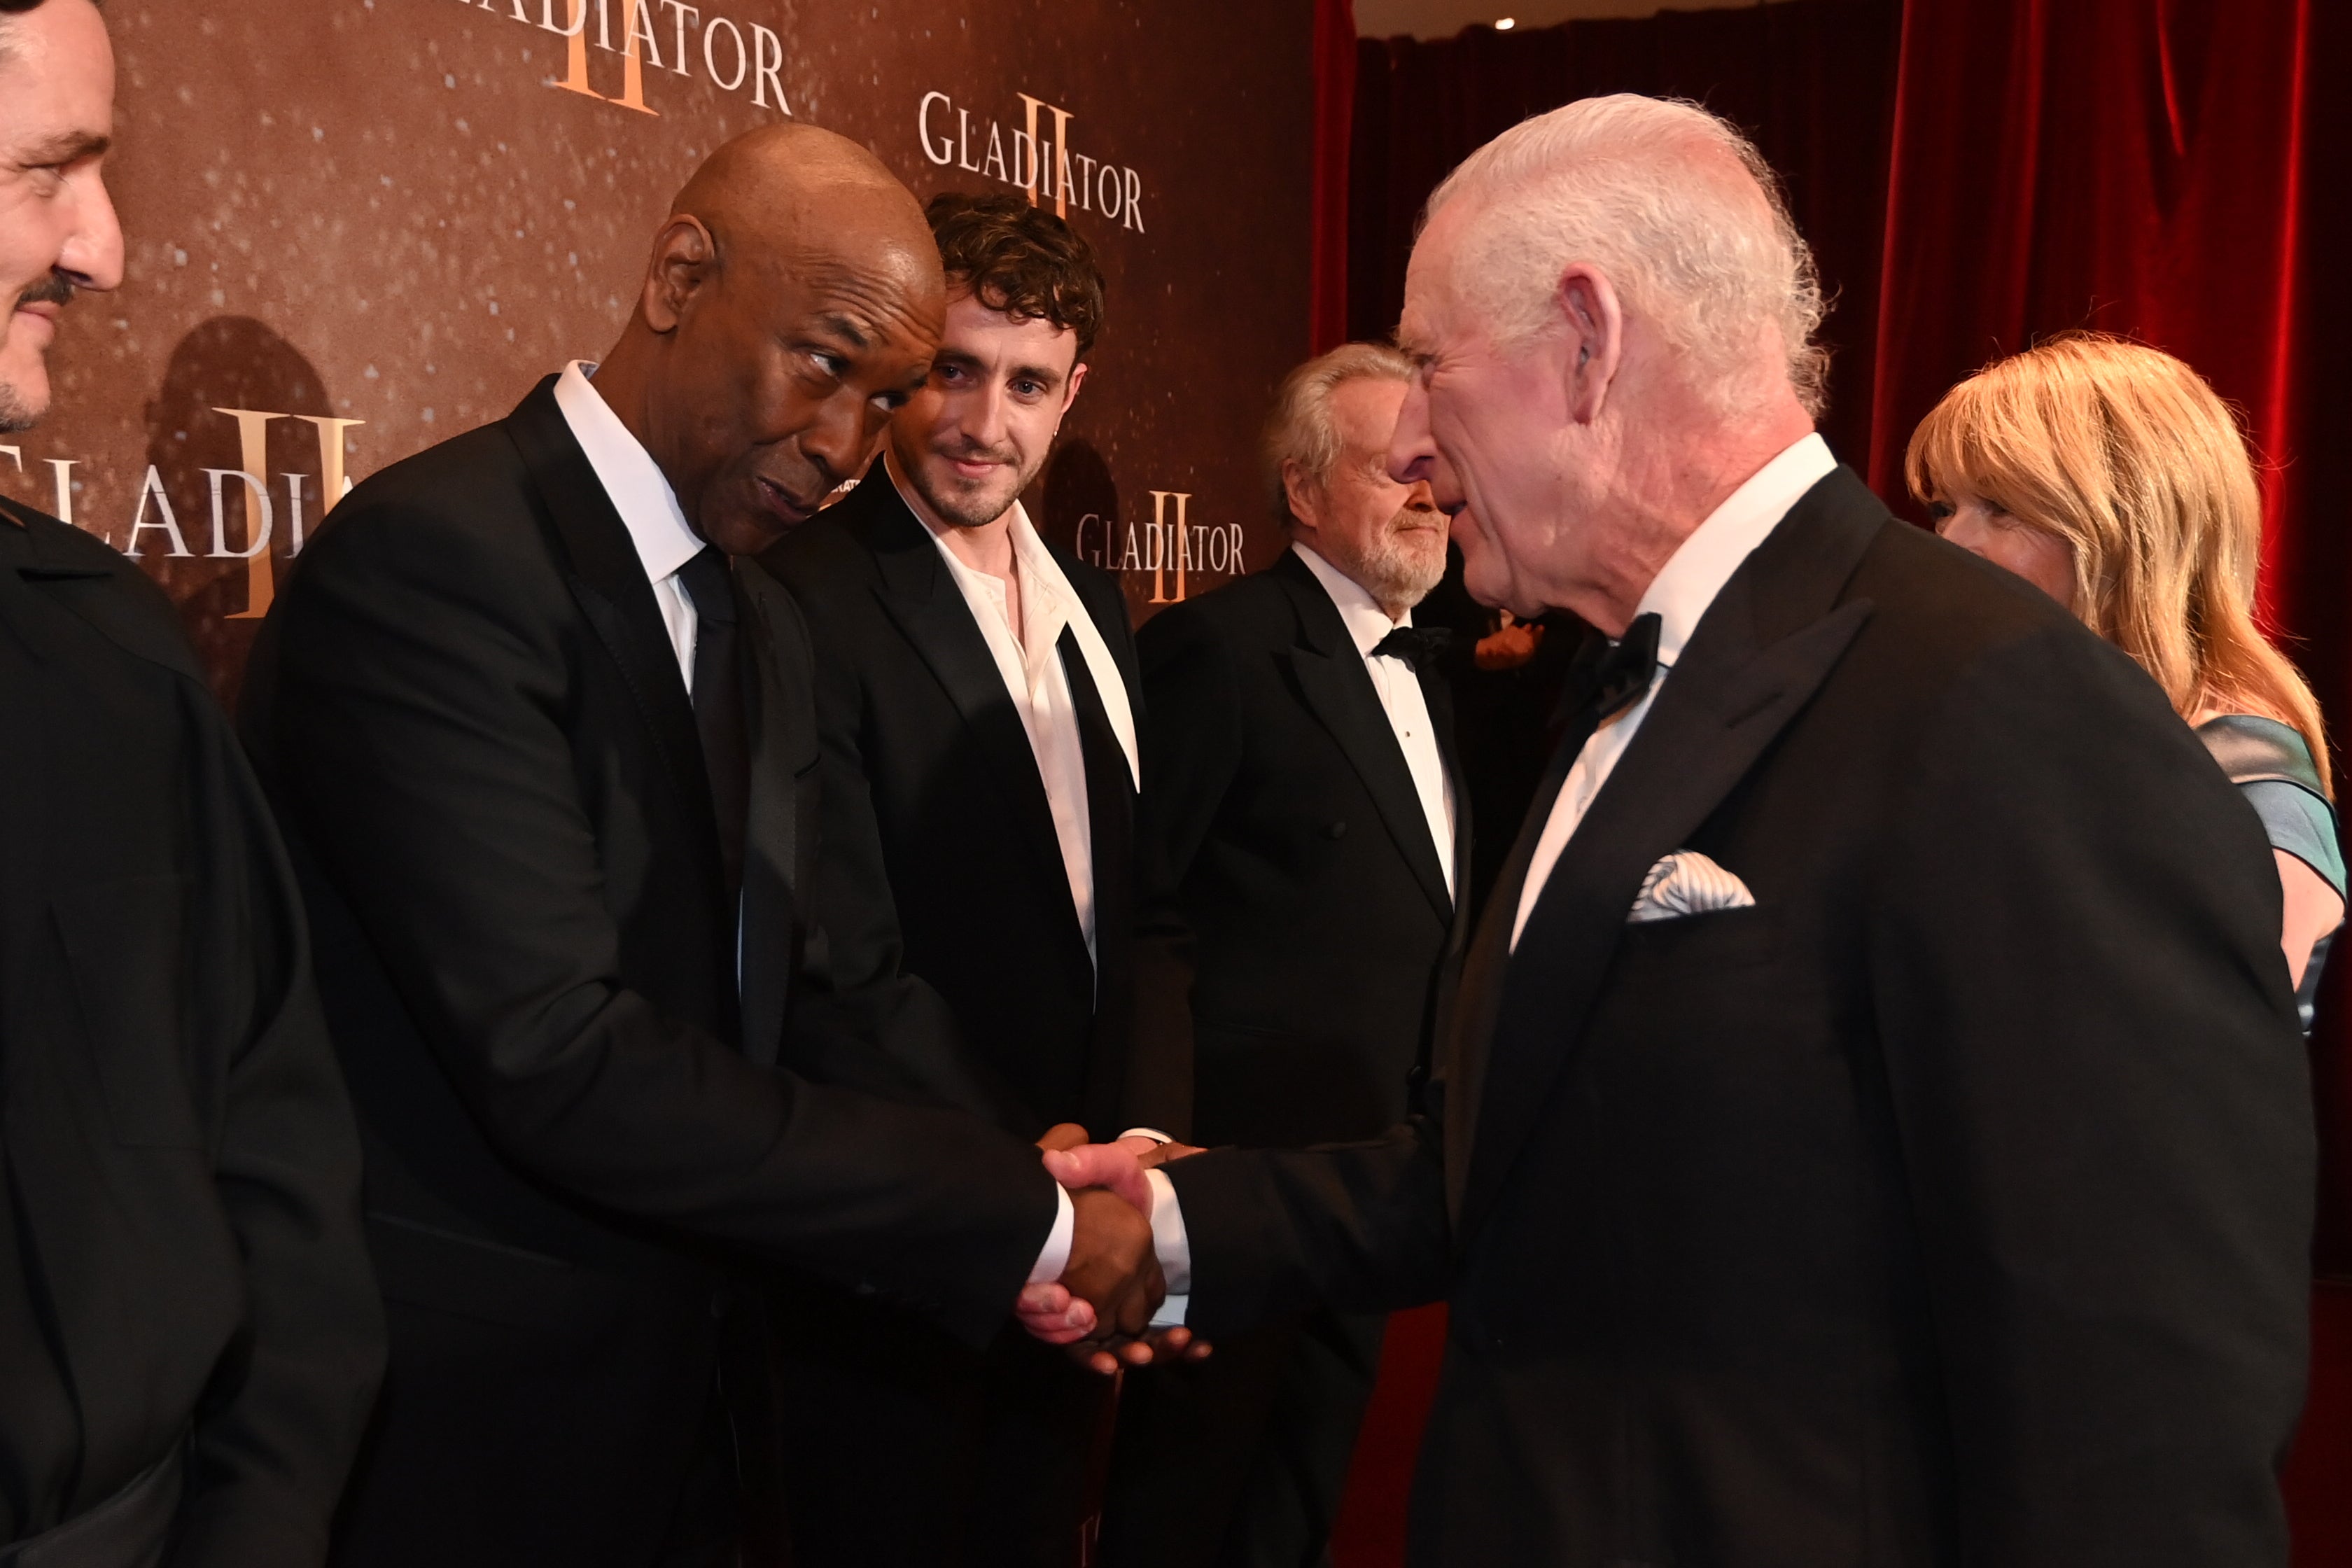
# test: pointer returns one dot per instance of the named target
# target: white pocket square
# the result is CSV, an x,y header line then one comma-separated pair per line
x,y
1687,883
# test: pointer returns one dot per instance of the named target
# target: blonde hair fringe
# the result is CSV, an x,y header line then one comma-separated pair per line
x,y
2126,454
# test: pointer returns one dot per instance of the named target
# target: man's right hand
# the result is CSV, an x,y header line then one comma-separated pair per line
x,y
1114,1270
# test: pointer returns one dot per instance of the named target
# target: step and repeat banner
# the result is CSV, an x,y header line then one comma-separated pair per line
x,y
357,227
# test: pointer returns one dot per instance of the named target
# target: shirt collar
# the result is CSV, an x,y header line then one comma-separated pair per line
x,y
1687,586
1042,585
640,493
1361,613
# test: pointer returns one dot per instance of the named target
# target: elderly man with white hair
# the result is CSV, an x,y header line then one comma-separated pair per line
x,y
1874,1129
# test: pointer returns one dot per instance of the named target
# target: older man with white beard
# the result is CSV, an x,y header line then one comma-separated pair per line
x,y
1301,795
1873,1128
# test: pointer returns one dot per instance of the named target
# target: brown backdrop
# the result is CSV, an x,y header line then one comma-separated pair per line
x,y
356,227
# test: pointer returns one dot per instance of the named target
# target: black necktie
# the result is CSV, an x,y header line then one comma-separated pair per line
x,y
1419,646
719,705
1607,678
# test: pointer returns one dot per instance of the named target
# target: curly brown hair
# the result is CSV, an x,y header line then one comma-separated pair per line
x,y
1020,259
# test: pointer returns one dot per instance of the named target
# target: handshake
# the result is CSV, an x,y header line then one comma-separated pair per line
x,y
1102,1306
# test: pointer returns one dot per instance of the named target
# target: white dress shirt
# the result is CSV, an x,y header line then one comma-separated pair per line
x,y
1681,593
664,542
1028,657
1400,698
640,493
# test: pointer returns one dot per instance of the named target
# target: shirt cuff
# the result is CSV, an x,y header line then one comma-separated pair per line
x,y
1153,1133
1055,1258
1174,1249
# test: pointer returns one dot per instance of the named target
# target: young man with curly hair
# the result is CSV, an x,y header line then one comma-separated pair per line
x,y
979,708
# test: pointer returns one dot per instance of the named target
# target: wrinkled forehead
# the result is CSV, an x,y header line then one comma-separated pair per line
x,y
1364,412
871,293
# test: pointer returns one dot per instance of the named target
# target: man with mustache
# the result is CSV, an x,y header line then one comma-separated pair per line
x,y
188,1332
549,761
1302,795
977,692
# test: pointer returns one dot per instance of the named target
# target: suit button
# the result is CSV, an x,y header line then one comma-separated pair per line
x,y
1337,830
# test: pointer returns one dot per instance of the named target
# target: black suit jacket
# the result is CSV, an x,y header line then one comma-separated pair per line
x,y
1279,805
1948,1205
938,829
180,1155
471,717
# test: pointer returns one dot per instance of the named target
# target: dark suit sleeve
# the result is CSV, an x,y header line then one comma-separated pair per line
x,y
422,731
1189,732
861,1020
1358,1227
279,1424
1157,1088
2102,1109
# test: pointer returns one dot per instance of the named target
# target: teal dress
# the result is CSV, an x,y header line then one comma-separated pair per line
x,y
2271,764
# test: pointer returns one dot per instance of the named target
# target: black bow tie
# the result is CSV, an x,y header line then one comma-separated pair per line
x,y
1609,678
1419,646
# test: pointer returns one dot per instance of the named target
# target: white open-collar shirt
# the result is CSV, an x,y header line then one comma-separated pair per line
x,y
1029,660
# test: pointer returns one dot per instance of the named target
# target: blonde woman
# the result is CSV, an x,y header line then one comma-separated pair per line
x,y
2110,476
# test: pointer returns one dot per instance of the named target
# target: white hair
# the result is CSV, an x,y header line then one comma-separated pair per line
x,y
1300,429
1712,259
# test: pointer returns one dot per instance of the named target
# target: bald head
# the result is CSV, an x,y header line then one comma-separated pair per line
x,y
782,186
792,301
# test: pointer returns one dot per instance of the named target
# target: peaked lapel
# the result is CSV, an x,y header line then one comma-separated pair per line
x,y
928,610
1332,678
781,733
608,583
1756,658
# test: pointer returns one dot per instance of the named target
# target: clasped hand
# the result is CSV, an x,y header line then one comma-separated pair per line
x,y
1102,1306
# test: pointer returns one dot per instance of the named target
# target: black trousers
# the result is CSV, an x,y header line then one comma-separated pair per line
x,y
901,1445
596,1439
1239,1461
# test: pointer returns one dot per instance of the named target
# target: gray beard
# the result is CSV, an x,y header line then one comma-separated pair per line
x,y
1390,572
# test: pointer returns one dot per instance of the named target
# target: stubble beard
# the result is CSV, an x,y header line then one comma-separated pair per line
x,y
15,414
968,506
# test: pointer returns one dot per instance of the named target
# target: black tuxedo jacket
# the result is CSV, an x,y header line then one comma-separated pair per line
x,y
1948,1205
469,712
938,829
181,1170
1279,805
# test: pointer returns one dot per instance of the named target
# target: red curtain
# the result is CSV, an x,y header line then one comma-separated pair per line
x,y
1974,174
1812,80
2132,165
